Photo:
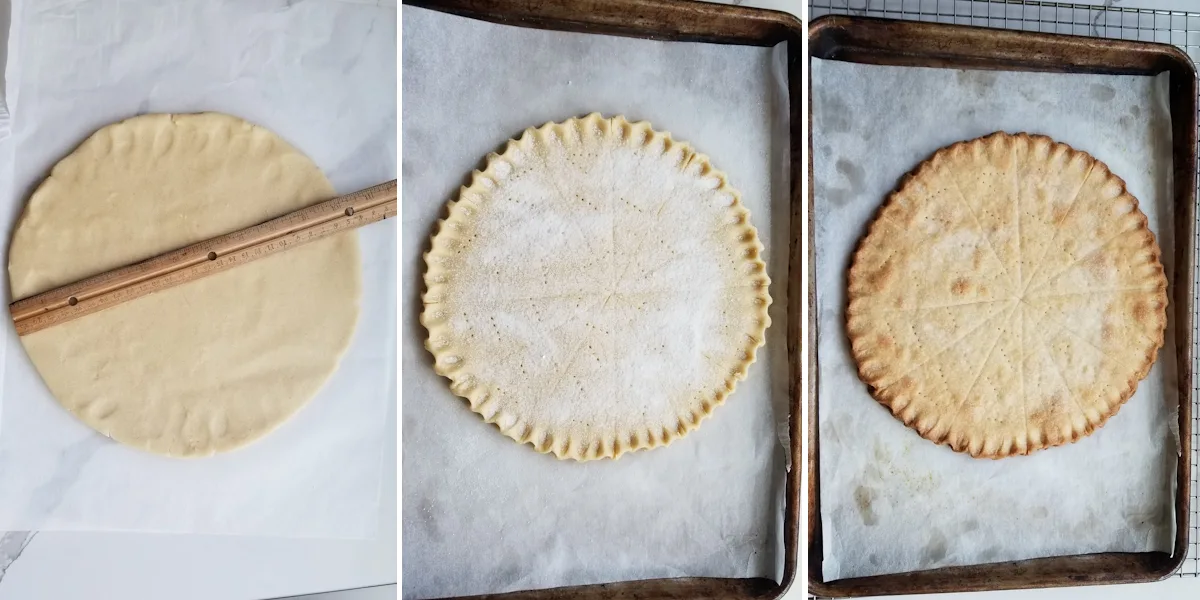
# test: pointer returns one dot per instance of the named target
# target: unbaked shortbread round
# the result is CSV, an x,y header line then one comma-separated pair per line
x,y
596,289
212,364
1008,298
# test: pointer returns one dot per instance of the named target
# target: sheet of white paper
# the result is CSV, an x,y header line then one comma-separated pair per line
x,y
322,75
483,514
892,502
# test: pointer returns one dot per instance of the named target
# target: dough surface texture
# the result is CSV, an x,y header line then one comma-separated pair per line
x,y
213,364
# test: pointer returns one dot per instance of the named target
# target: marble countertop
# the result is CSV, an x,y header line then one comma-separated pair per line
x,y
134,566
144,566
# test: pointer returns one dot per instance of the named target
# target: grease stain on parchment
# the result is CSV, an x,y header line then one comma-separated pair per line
x,y
836,114
883,477
854,176
978,83
427,513
1149,517
863,497
935,550
1102,93
885,473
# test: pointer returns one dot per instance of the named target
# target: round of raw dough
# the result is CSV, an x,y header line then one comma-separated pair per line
x,y
213,364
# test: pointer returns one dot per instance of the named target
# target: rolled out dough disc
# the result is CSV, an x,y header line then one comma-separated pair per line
x,y
210,365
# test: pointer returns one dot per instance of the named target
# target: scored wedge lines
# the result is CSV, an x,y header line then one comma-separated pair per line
x,y
1033,337
954,343
1054,237
979,227
964,337
975,380
1059,373
1087,255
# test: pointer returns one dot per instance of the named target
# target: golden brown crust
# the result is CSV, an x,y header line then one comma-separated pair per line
x,y
450,278
1007,297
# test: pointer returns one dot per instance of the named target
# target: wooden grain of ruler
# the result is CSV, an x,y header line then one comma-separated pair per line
x,y
218,254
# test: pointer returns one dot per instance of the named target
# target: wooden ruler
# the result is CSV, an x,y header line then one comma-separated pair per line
x,y
218,254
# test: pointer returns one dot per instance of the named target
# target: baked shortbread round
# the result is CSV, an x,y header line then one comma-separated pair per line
x,y
1008,297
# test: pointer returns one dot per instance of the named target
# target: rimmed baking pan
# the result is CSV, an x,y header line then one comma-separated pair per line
x,y
672,20
899,43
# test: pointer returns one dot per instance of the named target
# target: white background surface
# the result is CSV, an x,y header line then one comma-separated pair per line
x,y
72,565
318,475
138,566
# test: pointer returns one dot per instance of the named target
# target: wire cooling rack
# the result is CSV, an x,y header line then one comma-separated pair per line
x,y
1171,27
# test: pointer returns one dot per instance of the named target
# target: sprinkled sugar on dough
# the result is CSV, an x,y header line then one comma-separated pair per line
x,y
1008,297
596,289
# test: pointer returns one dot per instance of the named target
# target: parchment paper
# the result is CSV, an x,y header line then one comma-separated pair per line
x,y
894,502
322,75
483,514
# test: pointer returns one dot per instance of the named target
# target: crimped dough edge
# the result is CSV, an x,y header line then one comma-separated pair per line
x,y
902,406
440,340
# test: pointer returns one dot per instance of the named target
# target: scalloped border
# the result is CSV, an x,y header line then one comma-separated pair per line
x,y
899,402
445,237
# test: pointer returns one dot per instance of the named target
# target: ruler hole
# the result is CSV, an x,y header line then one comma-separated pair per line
x,y
212,256
350,212
72,301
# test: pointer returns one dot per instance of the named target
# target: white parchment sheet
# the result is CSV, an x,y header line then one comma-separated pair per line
x,y
483,514
320,74
893,502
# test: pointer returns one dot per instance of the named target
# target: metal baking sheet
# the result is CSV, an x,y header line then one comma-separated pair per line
x,y
521,77
877,42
